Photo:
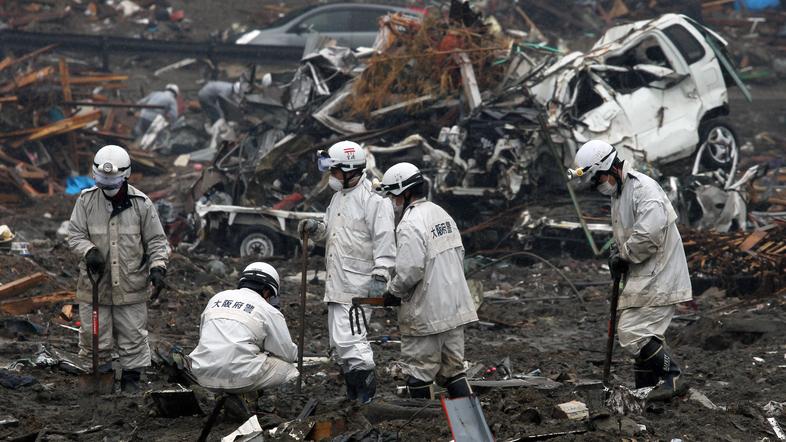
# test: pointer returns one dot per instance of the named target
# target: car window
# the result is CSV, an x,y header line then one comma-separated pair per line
x,y
688,46
329,21
367,20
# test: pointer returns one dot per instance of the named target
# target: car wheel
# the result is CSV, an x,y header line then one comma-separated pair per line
x,y
259,243
721,141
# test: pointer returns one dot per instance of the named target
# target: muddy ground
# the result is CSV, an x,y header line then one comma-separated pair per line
x,y
731,349
735,355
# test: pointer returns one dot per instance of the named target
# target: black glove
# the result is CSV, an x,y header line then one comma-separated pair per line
x,y
617,265
391,300
95,261
157,275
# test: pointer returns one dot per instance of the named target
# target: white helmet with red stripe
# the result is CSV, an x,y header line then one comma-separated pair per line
x,y
344,155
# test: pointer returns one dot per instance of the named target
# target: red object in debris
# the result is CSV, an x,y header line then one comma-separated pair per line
x,y
78,323
198,167
289,201
177,15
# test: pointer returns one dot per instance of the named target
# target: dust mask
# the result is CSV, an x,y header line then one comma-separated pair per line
x,y
607,189
110,192
335,183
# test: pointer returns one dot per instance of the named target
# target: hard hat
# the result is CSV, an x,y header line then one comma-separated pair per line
x,y
261,273
345,155
593,157
173,87
401,177
111,166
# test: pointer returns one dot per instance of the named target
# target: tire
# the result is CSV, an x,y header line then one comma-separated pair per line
x,y
259,242
722,144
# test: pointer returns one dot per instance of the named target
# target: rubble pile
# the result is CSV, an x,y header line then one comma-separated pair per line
x,y
741,261
52,117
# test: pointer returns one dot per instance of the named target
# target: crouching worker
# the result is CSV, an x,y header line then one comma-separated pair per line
x,y
430,287
244,344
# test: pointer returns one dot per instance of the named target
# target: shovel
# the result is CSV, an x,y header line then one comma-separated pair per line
x,y
99,383
615,297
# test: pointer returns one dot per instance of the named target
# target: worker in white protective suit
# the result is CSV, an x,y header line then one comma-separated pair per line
x,y
167,99
244,343
648,250
430,287
116,233
359,254
213,92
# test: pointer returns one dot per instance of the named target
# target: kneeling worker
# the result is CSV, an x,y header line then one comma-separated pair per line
x,y
244,344
430,287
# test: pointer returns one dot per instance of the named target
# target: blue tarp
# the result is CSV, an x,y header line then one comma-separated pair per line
x,y
757,5
76,184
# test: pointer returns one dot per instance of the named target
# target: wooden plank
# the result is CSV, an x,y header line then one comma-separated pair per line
x,y
65,125
8,61
64,83
91,79
27,79
18,286
20,306
112,104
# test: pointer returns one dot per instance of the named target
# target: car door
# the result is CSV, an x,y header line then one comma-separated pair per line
x,y
334,23
365,25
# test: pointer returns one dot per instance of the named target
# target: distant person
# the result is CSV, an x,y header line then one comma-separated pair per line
x,y
648,252
167,99
213,91
430,287
244,343
115,229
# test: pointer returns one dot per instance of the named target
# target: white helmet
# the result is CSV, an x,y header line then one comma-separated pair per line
x,y
345,155
593,157
401,177
261,273
173,87
111,166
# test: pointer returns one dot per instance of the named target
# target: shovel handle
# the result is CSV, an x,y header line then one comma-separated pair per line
x,y
376,301
615,296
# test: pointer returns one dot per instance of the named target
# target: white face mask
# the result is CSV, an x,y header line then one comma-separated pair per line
x,y
110,192
335,183
607,189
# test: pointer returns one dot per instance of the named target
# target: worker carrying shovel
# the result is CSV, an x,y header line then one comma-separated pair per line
x,y
430,287
117,235
648,250
360,248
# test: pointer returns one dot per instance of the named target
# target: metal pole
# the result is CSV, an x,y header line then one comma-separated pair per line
x,y
547,135
302,314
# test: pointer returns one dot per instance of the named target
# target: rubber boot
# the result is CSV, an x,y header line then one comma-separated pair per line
x,y
129,381
658,359
458,386
365,385
349,379
236,408
418,389
642,375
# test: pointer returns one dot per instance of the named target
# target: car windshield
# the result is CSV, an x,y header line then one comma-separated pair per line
x,y
289,16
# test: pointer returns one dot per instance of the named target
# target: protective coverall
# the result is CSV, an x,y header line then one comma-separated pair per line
x,y
645,230
435,299
132,241
209,98
359,243
244,344
156,98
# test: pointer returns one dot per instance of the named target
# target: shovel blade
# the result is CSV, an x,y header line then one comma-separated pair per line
x,y
103,384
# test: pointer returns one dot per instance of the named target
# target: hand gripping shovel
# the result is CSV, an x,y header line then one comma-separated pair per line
x,y
96,382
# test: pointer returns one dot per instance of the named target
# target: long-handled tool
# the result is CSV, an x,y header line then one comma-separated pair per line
x,y
302,336
356,312
615,297
96,382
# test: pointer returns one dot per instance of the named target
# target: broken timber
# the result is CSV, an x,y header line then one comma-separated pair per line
x,y
20,285
20,306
